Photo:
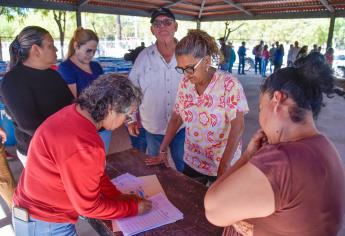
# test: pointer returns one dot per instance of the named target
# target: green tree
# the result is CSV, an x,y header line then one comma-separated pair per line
x,y
9,14
339,33
60,20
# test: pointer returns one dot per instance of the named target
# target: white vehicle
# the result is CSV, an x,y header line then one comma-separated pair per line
x,y
339,66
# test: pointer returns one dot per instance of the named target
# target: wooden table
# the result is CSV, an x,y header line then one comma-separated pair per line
x,y
186,194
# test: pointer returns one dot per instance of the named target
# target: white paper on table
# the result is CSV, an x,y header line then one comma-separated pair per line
x,y
128,183
163,212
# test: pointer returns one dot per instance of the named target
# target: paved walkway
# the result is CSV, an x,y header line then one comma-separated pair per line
x,y
330,121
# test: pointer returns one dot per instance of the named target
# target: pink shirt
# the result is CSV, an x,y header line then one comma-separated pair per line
x,y
265,54
207,119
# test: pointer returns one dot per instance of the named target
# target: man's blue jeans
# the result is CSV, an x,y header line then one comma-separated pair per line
x,y
176,147
42,228
139,142
106,138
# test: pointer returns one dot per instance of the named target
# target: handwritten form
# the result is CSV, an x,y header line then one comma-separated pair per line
x,y
163,211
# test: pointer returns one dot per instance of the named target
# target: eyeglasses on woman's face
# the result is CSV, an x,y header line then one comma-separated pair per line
x,y
89,48
189,70
160,23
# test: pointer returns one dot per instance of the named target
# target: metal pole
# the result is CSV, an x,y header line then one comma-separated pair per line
x,y
198,24
78,15
330,31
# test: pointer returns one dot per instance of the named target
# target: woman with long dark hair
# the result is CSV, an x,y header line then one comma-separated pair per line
x,y
31,91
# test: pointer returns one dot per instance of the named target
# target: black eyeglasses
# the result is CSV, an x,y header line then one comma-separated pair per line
x,y
189,69
165,22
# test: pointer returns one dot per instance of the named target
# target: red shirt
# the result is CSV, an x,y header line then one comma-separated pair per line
x,y
65,173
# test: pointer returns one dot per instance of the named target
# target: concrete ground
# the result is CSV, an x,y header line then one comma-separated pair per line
x,y
330,122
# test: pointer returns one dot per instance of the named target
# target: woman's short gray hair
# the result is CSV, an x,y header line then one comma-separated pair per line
x,y
109,92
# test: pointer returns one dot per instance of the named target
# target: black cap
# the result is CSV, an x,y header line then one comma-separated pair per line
x,y
161,12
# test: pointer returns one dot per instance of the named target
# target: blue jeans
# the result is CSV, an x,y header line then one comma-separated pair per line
x,y
224,66
231,64
176,147
106,138
263,67
241,65
139,142
42,228
258,64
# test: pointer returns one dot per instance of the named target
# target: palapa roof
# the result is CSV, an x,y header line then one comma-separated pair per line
x,y
204,10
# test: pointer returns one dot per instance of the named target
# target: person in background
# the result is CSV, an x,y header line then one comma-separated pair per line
x,y
133,53
154,72
296,49
278,57
241,57
232,57
211,104
291,179
290,59
7,183
272,53
31,90
65,174
303,52
78,70
257,52
315,49
225,50
265,58
329,55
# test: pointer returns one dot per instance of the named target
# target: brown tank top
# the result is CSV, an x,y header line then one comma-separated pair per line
x,y
308,181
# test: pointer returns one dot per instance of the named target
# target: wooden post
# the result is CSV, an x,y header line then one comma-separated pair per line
x,y
330,31
78,15
198,24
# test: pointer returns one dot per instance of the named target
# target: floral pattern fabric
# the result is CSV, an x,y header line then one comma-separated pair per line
x,y
207,118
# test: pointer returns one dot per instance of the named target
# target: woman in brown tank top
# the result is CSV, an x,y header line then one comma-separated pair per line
x,y
290,181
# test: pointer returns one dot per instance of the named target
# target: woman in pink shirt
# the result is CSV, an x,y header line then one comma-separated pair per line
x,y
265,57
211,104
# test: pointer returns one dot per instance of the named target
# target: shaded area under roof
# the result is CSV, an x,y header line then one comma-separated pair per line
x,y
204,10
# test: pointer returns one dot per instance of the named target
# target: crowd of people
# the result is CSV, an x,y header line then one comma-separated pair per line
x,y
290,179
264,55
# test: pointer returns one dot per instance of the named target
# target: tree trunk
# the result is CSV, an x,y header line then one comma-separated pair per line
x,y
60,19
119,28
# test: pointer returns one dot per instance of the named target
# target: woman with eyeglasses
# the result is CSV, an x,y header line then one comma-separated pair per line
x,y
65,176
79,70
211,104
